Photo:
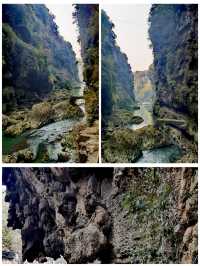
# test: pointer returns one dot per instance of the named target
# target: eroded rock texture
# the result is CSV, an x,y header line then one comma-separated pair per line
x,y
106,215
173,32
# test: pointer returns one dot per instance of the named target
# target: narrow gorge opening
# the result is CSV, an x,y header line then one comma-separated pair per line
x,y
144,117
46,89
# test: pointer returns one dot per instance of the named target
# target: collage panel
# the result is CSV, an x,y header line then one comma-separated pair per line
x,y
50,83
100,215
93,199
149,77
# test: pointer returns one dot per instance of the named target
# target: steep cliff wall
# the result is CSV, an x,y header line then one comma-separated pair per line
x,y
174,35
35,57
87,18
121,215
117,77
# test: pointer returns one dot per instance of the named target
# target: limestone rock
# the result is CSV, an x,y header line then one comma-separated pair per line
x,y
84,245
121,215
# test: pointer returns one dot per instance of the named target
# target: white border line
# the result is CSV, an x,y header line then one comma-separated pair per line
x,y
99,83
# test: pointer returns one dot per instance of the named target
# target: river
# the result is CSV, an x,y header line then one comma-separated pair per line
x,y
47,139
145,112
166,154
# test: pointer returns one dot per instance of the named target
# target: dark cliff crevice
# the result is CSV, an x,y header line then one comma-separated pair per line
x,y
121,215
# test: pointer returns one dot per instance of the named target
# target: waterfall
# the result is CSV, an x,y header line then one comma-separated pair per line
x,y
81,102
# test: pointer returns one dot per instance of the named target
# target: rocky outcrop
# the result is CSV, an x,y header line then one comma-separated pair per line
x,y
36,58
88,144
153,213
106,215
22,156
84,141
57,106
175,50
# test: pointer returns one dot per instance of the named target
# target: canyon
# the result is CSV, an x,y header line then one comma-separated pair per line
x,y
47,95
151,115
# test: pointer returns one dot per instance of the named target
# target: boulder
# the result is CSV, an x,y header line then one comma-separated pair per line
x,y
137,120
18,128
84,244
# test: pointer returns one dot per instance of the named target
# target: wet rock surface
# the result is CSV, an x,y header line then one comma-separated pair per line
x,y
104,215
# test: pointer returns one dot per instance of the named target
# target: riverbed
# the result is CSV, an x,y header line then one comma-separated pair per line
x,y
46,139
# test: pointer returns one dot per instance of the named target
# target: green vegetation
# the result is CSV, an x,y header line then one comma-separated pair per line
x,y
175,49
173,33
149,208
36,59
123,118
117,78
118,101
122,145
126,145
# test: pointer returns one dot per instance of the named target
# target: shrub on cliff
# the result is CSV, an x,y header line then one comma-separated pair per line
x,y
122,145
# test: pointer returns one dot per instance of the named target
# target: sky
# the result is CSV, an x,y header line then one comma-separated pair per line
x,y
64,21
131,28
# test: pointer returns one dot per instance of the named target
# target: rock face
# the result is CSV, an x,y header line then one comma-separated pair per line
x,y
36,58
117,77
88,144
118,99
87,18
121,215
175,50
144,88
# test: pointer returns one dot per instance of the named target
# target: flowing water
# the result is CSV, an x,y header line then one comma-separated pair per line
x,y
46,140
145,112
81,102
43,140
166,154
